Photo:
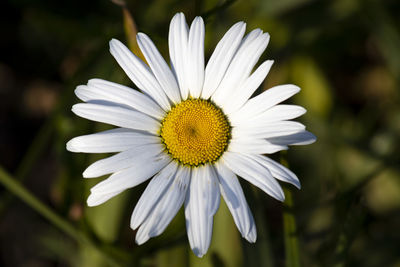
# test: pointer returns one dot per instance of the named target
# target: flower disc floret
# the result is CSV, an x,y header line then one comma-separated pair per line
x,y
195,132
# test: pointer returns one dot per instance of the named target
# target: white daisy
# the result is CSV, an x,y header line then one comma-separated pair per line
x,y
192,128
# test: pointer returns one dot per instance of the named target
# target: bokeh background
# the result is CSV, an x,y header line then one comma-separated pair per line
x,y
344,54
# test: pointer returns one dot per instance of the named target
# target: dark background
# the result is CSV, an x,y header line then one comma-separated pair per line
x,y
344,54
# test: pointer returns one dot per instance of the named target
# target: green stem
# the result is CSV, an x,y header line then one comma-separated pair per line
x,y
17,189
35,149
29,159
289,227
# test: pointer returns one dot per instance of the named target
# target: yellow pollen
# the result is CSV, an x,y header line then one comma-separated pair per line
x,y
195,132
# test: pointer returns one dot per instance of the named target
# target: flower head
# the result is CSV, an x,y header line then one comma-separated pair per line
x,y
192,129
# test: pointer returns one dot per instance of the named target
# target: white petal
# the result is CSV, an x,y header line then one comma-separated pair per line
x,y
281,112
250,37
239,69
125,179
248,87
113,114
115,140
202,201
96,199
154,191
159,67
139,73
195,58
178,42
300,138
236,202
254,146
260,130
221,57
276,113
132,157
264,101
277,170
166,208
254,172
98,89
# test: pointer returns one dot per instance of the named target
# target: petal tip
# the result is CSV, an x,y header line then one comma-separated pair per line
x,y
91,201
134,223
280,196
179,14
313,138
297,184
75,108
141,239
140,35
296,88
70,146
88,173
251,237
112,42
198,253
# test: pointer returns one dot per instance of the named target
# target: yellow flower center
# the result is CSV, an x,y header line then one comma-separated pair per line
x,y
195,132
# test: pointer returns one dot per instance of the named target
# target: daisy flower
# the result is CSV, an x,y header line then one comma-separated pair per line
x,y
193,128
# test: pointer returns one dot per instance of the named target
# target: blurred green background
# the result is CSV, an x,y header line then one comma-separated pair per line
x,y
344,54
